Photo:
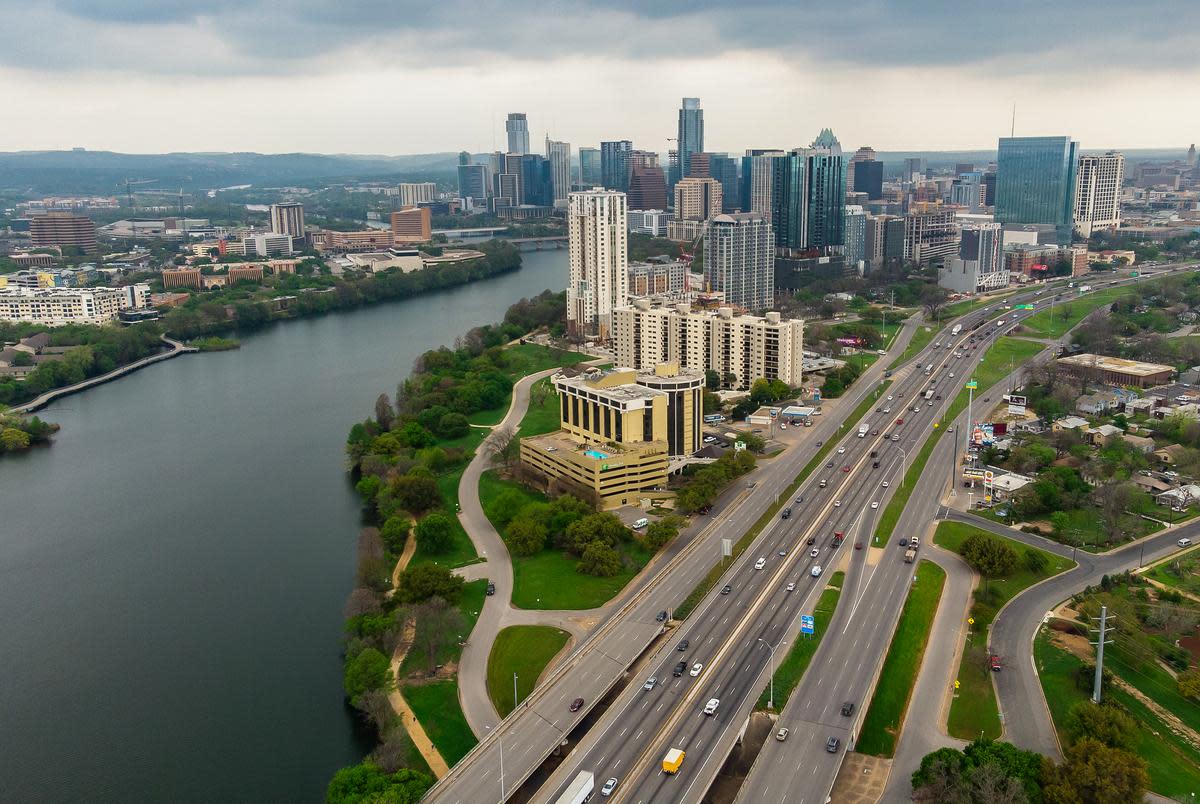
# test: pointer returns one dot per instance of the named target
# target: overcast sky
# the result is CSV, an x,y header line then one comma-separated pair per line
x,y
397,76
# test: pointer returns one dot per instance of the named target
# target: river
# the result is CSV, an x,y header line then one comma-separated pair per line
x,y
173,568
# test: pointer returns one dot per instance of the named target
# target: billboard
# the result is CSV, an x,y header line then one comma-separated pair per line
x,y
971,472
851,341
982,434
1017,399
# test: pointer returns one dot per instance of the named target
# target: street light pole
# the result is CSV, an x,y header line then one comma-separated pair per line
x,y
903,465
771,666
514,690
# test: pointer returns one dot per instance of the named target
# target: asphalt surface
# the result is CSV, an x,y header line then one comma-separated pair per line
x,y
528,735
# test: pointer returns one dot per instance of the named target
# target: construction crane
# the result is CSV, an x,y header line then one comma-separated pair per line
x,y
131,183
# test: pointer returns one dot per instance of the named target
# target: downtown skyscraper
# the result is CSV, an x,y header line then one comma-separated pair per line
x,y
739,260
1035,183
598,261
614,164
690,139
517,128
559,154
1098,192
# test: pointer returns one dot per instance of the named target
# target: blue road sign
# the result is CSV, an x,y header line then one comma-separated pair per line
x,y
807,626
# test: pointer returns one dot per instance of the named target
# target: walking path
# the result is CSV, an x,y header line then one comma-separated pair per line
x,y
45,399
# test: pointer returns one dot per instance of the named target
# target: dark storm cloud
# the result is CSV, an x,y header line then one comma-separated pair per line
x,y
270,36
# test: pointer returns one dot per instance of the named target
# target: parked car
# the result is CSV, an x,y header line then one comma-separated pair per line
x,y
994,662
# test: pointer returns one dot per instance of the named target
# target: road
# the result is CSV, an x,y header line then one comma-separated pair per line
x,y
528,735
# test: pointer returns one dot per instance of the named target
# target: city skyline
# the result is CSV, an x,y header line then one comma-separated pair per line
x,y
196,61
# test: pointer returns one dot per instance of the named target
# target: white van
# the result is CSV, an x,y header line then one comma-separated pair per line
x,y
710,708
1184,542
641,523
762,562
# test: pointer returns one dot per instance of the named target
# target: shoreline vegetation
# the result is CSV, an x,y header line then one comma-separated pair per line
x,y
22,433
215,343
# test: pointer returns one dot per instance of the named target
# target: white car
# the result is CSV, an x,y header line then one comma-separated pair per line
x,y
888,409
650,682
885,484
837,503
952,375
709,439
762,562
841,450
696,668
874,504
813,553
791,587
816,571
609,786
782,426
710,708
889,397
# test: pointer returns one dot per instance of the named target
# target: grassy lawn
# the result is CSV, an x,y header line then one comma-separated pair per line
x,y
920,340
1181,571
490,486
1174,766
548,580
861,361
543,413
791,669
684,609
524,359
416,661
974,710
1053,322
436,707
886,714
524,650
993,367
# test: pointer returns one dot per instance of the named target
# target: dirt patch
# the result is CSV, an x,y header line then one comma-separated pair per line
x,y
861,779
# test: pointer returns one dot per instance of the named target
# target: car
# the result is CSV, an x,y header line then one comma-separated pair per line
x,y
837,503
899,421
812,540
994,663
904,541
937,396
952,375
813,553
609,786
824,483
874,504
709,439
695,671
682,646
762,562
781,735
889,397
710,708
858,545
874,432
950,429
662,616
791,587
799,500
820,443
576,704
829,465
930,403
845,468
841,450
782,426
848,708
726,589
899,394
888,409
838,536
491,588
832,745
895,437
783,552
816,571
879,410
650,682
884,484
679,670
875,464
787,512
1184,542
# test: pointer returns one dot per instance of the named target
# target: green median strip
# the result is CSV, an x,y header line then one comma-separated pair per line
x,y
684,609
523,650
792,668
885,716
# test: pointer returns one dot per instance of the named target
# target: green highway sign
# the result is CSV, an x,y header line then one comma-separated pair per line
x,y
972,385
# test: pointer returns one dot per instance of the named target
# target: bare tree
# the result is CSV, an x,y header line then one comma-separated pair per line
x,y
394,753
933,299
361,601
1113,499
384,412
377,709
438,625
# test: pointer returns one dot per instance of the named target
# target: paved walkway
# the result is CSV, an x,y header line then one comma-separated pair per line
x,y
45,399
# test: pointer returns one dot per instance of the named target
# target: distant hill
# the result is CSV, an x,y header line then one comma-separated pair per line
x,y
104,172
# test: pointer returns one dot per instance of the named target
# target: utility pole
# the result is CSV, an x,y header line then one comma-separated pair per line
x,y
1103,618
514,690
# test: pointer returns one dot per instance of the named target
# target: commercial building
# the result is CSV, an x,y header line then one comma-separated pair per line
x,y
740,348
559,156
757,184
864,174
517,128
366,240
590,174
724,169
264,244
181,278
978,267
855,235
651,222
39,260
473,182
657,275
412,225
1098,192
288,219
609,475
1035,182
647,185
1117,371
825,192
598,259
63,230
410,194
55,307
968,191
931,233
686,231
739,260
697,199
690,139
789,200
614,164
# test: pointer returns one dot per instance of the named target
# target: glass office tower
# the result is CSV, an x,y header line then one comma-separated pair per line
x,y
1035,182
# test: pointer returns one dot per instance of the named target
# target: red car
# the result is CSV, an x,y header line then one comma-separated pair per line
x,y
858,545
845,468
899,421
576,704
994,661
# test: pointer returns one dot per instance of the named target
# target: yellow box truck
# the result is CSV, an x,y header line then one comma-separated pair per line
x,y
672,761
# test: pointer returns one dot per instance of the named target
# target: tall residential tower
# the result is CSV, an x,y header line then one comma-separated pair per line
x,y
598,260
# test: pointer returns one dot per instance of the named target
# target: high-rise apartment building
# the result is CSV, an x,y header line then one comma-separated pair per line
x,y
288,219
724,169
739,260
826,196
1098,192
518,133
412,225
690,137
411,194
968,191
978,266
884,240
63,230
789,200
931,233
855,234
697,199
598,260
758,172
559,156
614,164
664,274
589,167
1035,182
740,348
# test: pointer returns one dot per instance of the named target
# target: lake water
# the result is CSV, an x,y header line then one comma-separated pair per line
x,y
173,568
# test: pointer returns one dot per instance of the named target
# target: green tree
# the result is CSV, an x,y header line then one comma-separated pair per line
x,y
14,440
435,533
453,425
1105,723
415,492
599,559
504,507
424,581
368,783
395,533
525,536
660,532
989,555
369,670
1093,773
1035,561
415,436
712,380
1189,683
604,528
368,487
